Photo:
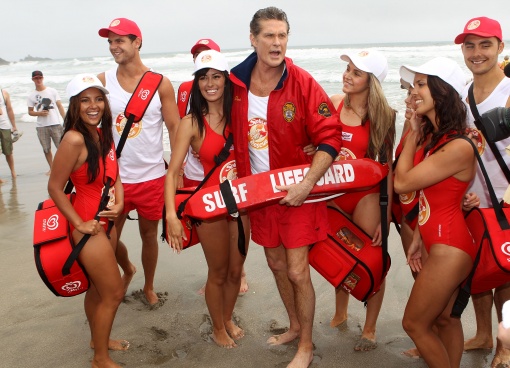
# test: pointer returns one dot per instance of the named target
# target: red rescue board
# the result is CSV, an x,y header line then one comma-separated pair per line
x,y
260,189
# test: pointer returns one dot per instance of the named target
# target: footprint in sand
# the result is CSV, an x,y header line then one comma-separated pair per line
x,y
159,334
205,328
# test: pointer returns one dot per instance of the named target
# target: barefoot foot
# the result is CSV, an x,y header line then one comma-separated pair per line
x,y
476,343
116,345
338,321
365,344
201,291
283,338
412,353
104,363
501,358
233,330
302,359
244,285
151,296
223,340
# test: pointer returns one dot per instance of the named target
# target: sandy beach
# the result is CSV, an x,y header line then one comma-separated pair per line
x,y
40,330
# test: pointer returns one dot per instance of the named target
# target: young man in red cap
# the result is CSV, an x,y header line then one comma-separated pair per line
x,y
141,166
43,103
481,46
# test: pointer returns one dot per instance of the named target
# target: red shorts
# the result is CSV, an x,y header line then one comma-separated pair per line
x,y
147,198
293,227
190,182
349,201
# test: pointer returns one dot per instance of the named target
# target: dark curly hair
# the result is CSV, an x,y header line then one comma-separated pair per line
x,y
73,121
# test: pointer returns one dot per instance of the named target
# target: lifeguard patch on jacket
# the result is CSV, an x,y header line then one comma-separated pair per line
x,y
289,111
324,110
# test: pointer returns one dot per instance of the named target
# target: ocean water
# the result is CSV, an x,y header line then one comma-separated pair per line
x,y
323,62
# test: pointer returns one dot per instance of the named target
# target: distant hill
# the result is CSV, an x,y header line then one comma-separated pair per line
x,y
4,62
34,58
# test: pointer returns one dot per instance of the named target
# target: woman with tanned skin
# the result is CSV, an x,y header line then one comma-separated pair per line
x,y
86,154
206,129
442,179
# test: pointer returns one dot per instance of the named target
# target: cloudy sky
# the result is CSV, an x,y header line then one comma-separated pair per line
x,y
67,29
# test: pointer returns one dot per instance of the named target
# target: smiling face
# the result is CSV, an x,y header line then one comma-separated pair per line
x,y
422,97
122,48
481,54
92,106
212,85
271,43
354,80
410,104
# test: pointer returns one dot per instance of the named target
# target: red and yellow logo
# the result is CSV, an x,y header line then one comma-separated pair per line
x,y
407,198
228,171
424,209
257,133
120,123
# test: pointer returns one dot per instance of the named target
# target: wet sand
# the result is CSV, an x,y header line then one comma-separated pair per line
x,y
38,329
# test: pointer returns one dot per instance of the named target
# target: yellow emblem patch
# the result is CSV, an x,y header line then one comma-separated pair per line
x,y
324,110
289,112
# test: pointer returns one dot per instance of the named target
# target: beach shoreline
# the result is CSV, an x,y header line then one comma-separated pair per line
x,y
41,330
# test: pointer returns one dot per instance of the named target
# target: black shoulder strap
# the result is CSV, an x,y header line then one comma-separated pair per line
x,y
222,156
383,202
66,269
479,126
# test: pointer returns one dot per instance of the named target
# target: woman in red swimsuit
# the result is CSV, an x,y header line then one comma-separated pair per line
x,y
87,155
368,130
442,178
206,129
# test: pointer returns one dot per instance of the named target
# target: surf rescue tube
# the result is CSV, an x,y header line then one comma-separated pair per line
x,y
260,189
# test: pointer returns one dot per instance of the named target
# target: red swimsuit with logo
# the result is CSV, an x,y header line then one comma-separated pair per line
x,y
88,195
355,141
441,219
211,147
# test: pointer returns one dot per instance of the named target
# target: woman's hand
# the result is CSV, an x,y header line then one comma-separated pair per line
x,y
175,233
92,227
414,254
112,211
377,237
471,200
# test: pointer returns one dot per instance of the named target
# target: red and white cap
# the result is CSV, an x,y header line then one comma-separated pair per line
x,y
122,27
211,59
482,27
444,68
81,82
205,43
369,61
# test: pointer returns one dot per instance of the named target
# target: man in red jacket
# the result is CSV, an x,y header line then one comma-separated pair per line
x,y
281,109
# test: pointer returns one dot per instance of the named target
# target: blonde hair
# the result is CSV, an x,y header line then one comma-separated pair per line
x,y
382,118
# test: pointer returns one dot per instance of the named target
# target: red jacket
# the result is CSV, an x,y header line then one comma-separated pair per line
x,y
299,112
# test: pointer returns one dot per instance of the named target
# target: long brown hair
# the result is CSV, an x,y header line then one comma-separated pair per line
x,y
73,121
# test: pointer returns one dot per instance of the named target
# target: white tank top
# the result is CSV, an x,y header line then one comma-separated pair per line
x,y
257,133
142,156
4,119
497,98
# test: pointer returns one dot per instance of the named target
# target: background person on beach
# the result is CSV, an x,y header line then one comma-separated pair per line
x,y
481,46
86,155
269,102
368,130
142,167
7,128
193,172
505,62
206,129
444,173
42,103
